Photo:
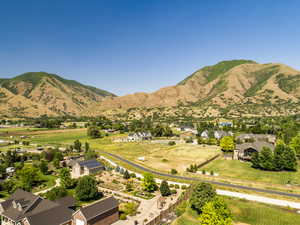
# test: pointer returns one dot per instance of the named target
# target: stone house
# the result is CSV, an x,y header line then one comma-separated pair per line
x,y
86,167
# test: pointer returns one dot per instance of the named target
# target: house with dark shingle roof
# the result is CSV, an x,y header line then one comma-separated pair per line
x,y
25,208
103,212
244,151
86,167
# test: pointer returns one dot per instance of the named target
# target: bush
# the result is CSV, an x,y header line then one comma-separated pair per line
x,y
183,187
174,171
171,143
123,216
173,191
176,186
164,188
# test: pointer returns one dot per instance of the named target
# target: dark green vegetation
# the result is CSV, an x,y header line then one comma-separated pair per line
x,y
215,71
34,78
209,209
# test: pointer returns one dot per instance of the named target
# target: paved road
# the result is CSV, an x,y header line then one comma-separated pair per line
x,y
198,179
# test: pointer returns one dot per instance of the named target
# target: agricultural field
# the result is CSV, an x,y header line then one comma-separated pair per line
x,y
234,169
247,212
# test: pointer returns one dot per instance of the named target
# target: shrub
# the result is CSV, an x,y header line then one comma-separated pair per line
x,y
171,143
174,171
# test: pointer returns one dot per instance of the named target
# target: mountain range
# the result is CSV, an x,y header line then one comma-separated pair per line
x,y
235,87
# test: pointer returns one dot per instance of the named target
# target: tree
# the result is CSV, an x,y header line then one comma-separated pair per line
x,y
227,144
86,146
202,194
93,132
255,160
215,212
290,159
43,166
56,163
295,144
77,145
56,193
65,178
279,162
266,159
90,154
149,183
164,188
126,175
86,189
28,177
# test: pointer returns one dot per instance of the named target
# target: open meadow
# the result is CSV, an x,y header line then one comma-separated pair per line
x,y
247,212
235,169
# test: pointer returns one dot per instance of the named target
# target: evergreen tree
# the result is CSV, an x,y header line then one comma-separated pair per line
x,y
255,160
164,188
279,162
266,159
290,160
126,175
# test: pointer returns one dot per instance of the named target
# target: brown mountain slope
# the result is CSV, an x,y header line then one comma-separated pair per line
x,y
41,93
222,85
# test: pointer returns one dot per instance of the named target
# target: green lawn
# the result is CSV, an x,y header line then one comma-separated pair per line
x,y
243,170
260,214
248,212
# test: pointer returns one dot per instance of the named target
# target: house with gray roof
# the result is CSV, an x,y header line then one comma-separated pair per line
x,y
244,151
86,167
25,208
105,211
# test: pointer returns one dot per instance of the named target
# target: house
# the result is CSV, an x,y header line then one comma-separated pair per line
x,y
218,134
139,136
205,134
104,212
25,208
188,129
256,137
86,167
244,151
10,171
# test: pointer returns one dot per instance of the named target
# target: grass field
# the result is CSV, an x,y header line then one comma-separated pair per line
x,y
243,170
157,155
250,213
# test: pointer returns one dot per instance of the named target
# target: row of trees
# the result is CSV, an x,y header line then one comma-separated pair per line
x,y
283,158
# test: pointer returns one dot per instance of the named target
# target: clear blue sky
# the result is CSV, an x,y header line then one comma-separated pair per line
x,y
126,46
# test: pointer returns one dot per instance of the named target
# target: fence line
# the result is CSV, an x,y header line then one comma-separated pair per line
x,y
171,208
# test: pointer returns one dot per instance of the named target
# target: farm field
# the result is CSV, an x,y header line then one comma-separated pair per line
x,y
247,212
237,169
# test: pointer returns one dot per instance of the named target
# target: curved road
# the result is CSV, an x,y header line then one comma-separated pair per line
x,y
198,179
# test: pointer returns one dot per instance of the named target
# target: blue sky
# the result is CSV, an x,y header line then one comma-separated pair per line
x,y
127,46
